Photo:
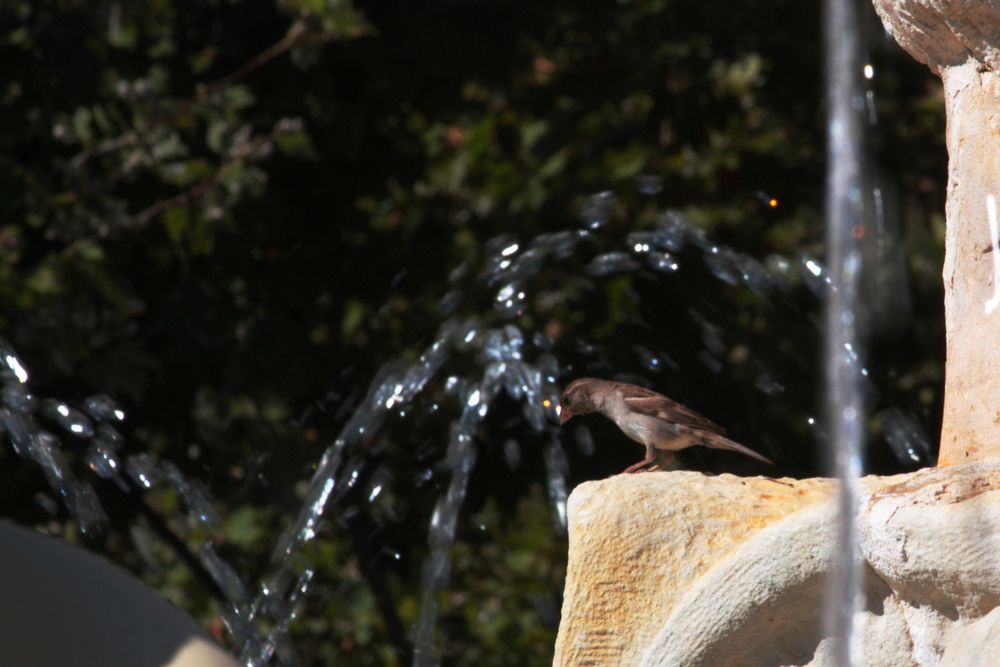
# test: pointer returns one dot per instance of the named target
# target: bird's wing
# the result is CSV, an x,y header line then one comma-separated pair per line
x,y
648,402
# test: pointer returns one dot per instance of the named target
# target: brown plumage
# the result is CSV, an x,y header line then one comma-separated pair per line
x,y
649,418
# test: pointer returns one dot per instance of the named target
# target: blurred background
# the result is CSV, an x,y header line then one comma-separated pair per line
x,y
230,214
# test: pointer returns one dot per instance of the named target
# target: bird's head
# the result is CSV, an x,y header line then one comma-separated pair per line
x,y
577,399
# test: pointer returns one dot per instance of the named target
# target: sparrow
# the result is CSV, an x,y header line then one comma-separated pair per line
x,y
649,418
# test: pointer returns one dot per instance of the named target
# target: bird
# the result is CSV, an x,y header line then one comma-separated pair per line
x,y
649,418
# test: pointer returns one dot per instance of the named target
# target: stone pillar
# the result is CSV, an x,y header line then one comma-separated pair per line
x,y
960,42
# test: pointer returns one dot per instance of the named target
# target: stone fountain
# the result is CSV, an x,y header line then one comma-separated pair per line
x,y
682,569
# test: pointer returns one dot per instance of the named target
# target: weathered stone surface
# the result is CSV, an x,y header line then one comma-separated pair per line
x,y
975,645
971,427
638,541
683,569
944,33
960,41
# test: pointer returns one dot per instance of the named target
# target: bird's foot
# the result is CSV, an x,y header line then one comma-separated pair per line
x,y
638,467
660,462
651,464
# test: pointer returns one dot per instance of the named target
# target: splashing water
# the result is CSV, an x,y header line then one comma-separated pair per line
x,y
508,361
508,268
96,422
510,364
906,437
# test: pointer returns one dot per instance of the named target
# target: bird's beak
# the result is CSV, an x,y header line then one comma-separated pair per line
x,y
564,415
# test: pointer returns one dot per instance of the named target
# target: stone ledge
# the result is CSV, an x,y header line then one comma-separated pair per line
x,y
679,568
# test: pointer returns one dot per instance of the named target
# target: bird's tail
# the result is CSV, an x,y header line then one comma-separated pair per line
x,y
716,441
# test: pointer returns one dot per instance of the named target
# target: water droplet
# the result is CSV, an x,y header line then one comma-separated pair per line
x,y
84,507
816,276
766,383
663,262
722,264
510,300
753,274
596,210
557,469
641,242
11,366
70,419
649,360
349,477
104,461
16,396
79,498
142,470
103,408
474,398
19,428
222,573
778,266
672,230
496,245
111,437
906,437
449,303
611,262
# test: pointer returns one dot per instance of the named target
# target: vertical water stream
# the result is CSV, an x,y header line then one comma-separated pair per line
x,y
844,210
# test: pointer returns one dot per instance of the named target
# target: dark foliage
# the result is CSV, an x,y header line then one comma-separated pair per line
x,y
229,215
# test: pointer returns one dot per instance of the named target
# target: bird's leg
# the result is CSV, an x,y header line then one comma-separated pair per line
x,y
665,460
641,465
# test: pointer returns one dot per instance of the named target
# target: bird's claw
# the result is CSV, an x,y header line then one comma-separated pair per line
x,y
639,467
651,464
